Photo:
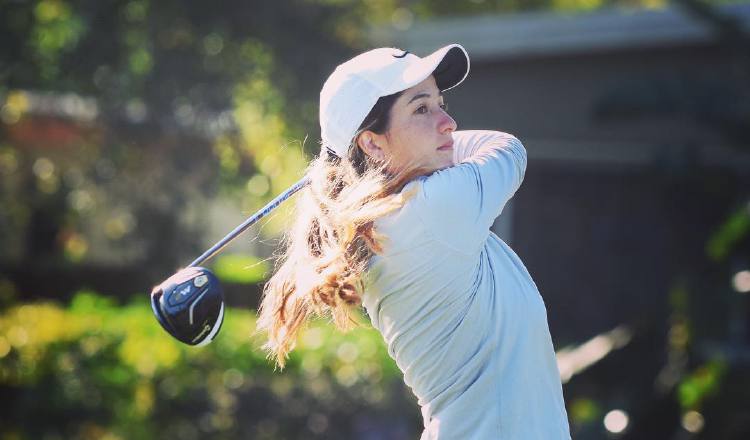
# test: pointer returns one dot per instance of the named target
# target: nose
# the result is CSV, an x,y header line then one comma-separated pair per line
x,y
446,123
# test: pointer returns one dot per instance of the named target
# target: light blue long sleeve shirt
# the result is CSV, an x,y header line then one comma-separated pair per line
x,y
459,312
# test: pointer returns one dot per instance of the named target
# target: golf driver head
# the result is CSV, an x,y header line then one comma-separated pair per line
x,y
190,305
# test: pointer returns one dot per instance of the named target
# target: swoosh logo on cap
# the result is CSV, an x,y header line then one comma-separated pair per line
x,y
402,55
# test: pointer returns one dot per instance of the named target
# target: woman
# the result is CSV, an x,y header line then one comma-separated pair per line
x,y
397,218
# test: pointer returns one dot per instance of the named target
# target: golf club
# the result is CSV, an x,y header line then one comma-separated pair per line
x,y
189,305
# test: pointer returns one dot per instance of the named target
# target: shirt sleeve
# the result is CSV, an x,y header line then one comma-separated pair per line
x,y
462,202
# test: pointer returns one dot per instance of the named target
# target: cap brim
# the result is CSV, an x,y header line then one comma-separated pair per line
x,y
449,65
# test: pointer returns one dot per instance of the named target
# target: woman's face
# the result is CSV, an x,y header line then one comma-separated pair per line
x,y
420,132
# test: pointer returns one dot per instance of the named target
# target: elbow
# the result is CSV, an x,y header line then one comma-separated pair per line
x,y
516,148
512,141
519,154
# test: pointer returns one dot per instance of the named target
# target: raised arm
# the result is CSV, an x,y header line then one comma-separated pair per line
x,y
463,201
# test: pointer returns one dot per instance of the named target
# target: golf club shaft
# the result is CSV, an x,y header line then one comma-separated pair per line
x,y
250,221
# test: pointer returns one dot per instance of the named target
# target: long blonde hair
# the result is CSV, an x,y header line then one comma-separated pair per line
x,y
325,253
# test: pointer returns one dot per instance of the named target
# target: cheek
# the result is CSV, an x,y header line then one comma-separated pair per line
x,y
410,137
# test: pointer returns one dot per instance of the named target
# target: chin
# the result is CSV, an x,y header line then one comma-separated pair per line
x,y
443,166
448,164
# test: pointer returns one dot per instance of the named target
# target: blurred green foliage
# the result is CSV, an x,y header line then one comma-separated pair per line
x,y
584,411
123,120
98,370
701,383
731,232
240,269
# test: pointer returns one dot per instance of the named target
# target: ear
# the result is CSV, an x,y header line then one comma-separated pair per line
x,y
371,143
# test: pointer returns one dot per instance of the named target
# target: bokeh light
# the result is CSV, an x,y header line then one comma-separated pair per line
x,y
693,421
741,281
616,421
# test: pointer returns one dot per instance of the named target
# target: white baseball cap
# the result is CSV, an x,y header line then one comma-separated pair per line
x,y
355,86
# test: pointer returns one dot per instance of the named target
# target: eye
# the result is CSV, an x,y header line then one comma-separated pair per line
x,y
444,106
422,109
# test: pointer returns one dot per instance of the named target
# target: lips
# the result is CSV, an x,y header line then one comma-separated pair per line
x,y
446,146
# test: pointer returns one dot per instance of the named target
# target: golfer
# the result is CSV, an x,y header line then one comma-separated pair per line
x,y
397,218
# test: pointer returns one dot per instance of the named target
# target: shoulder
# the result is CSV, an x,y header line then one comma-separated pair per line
x,y
439,189
406,219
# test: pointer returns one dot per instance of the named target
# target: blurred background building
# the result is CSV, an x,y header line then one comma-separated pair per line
x,y
636,125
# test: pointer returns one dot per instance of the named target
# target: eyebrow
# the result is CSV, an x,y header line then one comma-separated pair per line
x,y
420,96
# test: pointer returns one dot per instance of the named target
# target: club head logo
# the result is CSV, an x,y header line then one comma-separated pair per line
x,y
206,329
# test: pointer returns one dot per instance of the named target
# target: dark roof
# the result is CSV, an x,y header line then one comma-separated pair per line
x,y
524,34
